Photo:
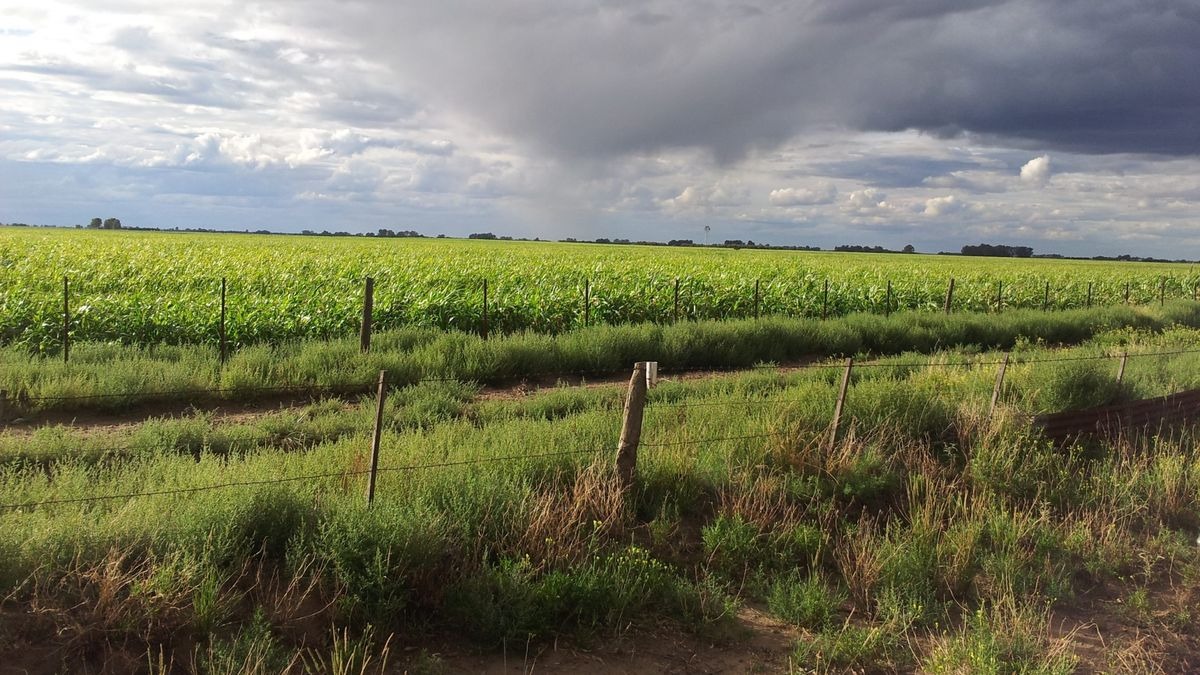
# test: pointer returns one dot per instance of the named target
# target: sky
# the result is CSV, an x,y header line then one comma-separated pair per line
x,y
1072,126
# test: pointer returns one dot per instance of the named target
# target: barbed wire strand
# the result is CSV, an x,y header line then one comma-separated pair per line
x,y
289,479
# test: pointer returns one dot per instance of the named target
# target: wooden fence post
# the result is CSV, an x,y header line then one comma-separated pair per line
x,y
368,311
1195,288
587,303
676,313
485,311
3,406
1121,368
1127,292
887,305
631,427
756,291
999,386
1162,292
999,295
825,302
1089,297
224,343
66,327
1046,298
950,295
841,402
375,437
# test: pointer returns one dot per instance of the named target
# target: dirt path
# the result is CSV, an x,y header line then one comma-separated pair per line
x,y
760,644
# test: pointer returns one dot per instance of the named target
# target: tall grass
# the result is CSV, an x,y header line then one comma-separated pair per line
x,y
929,533
120,377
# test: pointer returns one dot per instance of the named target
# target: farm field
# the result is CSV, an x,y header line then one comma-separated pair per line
x,y
146,288
932,535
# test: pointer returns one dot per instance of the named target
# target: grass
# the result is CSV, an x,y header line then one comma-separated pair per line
x,y
930,535
111,377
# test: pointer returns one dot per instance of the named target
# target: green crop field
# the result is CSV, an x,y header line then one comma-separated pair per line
x,y
146,287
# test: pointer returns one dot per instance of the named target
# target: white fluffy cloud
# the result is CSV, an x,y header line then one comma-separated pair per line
x,y
941,206
824,193
1036,171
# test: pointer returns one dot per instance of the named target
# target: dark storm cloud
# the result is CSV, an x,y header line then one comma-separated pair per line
x,y
576,78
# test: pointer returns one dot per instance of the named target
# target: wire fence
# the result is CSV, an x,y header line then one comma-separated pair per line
x,y
633,399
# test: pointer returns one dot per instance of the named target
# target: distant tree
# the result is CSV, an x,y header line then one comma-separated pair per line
x,y
908,248
96,224
481,235
111,224
998,250
681,242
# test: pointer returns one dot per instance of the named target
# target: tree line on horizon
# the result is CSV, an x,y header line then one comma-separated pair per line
x,y
984,250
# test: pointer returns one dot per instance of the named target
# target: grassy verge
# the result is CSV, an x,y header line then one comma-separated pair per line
x,y
120,377
930,536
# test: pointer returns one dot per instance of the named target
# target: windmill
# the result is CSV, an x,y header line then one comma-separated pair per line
x,y
707,229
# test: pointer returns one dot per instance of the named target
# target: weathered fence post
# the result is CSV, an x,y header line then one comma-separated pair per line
x,y
950,295
375,437
364,333
587,303
485,311
999,295
224,343
887,305
3,406
676,312
1089,296
631,427
66,327
1127,292
999,386
841,402
1121,368
1046,298
1162,292
825,302
756,290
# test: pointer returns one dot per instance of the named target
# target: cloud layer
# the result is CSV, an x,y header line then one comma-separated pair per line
x,y
1071,126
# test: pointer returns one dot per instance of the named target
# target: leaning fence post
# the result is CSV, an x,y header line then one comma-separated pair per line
x,y
950,295
999,386
1121,368
631,427
364,333
841,402
66,327
224,346
675,316
375,437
